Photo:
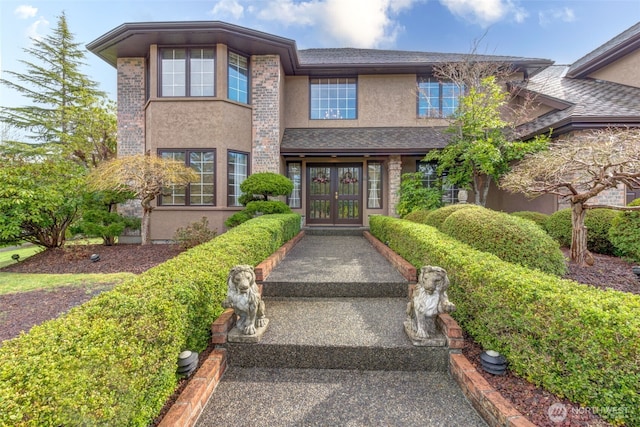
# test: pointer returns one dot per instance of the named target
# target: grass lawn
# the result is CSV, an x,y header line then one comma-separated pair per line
x,y
21,282
24,251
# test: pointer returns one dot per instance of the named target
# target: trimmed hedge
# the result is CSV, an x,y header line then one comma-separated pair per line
x,y
625,233
510,238
437,217
419,216
537,217
575,340
112,360
597,221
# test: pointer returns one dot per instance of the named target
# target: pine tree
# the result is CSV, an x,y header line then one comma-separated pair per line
x,y
65,102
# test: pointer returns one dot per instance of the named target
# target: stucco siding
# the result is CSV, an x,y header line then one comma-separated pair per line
x,y
623,71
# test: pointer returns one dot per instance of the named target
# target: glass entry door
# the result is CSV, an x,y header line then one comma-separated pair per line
x,y
334,194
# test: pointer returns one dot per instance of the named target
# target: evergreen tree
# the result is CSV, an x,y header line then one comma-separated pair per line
x,y
67,116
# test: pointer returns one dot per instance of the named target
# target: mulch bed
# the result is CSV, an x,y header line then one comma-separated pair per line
x,y
19,312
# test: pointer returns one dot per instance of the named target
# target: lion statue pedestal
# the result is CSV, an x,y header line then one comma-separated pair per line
x,y
244,297
428,300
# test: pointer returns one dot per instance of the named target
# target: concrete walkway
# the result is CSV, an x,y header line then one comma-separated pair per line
x,y
335,353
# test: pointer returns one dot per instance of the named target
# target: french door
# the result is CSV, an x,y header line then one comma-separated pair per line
x,y
334,194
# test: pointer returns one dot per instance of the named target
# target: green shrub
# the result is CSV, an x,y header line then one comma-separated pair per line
x,y
437,217
418,216
112,361
510,238
625,233
267,207
415,196
267,184
597,221
237,219
194,234
574,340
537,217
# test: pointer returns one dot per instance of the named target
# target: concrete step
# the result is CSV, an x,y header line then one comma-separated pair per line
x,y
337,333
333,231
334,266
335,289
310,397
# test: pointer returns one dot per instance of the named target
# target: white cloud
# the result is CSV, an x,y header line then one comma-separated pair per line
x,y
486,12
546,17
25,11
227,8
353,23
38,28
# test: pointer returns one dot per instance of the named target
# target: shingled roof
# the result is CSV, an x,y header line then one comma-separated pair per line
x,y
587,103
372,140
621,45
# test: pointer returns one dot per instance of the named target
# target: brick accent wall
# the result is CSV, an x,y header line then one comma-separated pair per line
x,y
394,174
613,196
131,118
266,83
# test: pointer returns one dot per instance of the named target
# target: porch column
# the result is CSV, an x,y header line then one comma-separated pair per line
x,y
394,172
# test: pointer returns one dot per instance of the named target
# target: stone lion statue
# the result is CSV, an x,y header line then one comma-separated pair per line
x,y
429,299
244,297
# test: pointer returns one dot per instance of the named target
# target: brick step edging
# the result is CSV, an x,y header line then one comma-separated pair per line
x,y
492,407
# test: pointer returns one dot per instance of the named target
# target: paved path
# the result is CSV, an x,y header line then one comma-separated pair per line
x,y
372,375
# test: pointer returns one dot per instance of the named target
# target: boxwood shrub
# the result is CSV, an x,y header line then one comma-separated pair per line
x,y
510,238
537,217
112,360
597,221
437,217
625,233
419,216
574,340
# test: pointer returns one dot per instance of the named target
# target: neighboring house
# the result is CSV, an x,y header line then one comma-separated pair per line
x,y
599,90
343,124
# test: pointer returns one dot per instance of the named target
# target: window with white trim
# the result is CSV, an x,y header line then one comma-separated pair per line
x,y
294,173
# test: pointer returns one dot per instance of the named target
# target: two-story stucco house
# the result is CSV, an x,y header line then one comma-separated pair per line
x,y
343,124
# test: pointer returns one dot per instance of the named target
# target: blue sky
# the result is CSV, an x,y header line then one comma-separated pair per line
x,y
560,30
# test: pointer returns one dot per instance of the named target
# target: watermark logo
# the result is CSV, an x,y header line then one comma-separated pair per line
x,y
557,412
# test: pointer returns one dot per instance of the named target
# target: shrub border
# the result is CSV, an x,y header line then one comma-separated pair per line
x,y
494,409
189,405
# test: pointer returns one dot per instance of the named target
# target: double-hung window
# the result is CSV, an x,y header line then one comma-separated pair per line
x,y
187,71
238,78
333,99
238,170
198,193
438,99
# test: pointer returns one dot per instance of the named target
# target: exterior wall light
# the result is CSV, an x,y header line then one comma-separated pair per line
x,y
493,362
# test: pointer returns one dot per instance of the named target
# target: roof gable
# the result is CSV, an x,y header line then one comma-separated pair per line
x,y
619,46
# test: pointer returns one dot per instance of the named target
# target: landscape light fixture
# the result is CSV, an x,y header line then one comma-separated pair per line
x,y
636,270
94,258
493,362
187,363
15,257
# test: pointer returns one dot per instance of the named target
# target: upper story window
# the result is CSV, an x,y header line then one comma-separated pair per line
x,y
238,78
334,99
437,99
187,72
